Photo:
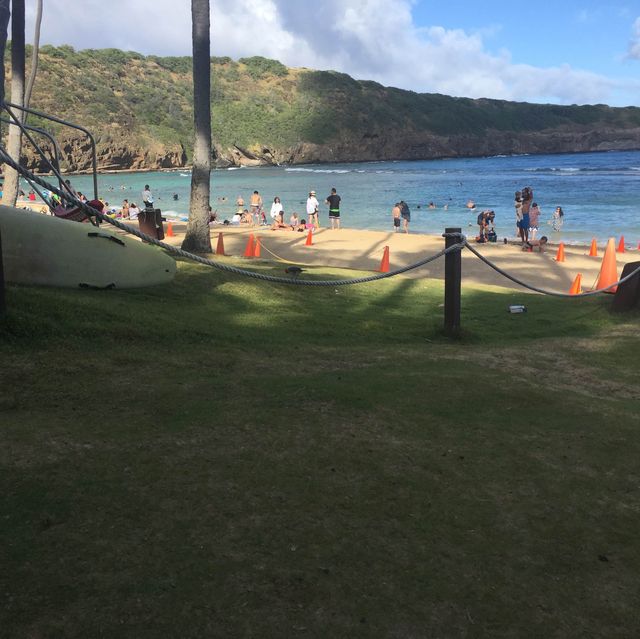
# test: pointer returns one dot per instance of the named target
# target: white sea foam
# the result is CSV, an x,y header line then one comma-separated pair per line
x,y
319,170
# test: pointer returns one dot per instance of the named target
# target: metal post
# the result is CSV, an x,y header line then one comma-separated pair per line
x,y
452,279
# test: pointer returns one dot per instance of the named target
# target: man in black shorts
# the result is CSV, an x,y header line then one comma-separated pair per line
x,y
334,209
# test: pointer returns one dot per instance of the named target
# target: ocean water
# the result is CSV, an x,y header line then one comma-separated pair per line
x,y
599,192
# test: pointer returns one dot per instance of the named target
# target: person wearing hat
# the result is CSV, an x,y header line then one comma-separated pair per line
x,y
312,209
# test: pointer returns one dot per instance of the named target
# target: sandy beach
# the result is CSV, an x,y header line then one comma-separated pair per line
x,y
363,250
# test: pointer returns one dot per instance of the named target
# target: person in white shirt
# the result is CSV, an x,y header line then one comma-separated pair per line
x,y
147,197
276,208
312,209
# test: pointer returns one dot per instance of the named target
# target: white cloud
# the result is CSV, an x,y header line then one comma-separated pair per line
x,y
634,45
368,39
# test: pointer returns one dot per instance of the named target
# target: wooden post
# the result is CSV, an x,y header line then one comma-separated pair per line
x,y
3,306
452,279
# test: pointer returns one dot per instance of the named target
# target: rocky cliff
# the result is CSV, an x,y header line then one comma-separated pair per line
x,y
140,111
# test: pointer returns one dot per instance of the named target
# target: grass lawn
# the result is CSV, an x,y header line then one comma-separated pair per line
x,y
223,457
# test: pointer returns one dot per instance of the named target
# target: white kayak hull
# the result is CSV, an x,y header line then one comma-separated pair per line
x,y
47,251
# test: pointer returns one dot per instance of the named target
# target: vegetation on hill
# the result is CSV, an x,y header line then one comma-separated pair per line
x,y
259,104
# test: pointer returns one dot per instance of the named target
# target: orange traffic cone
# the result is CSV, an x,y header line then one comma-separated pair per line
x,y
576,287
384,264
309,241
170,232
220,247
560,253
248,251
608,270
593,252
256,248
620,248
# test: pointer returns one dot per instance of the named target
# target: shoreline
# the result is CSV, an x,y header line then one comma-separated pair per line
x,y
40,207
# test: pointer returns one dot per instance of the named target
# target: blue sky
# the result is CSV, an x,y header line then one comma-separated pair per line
x,y
562,52
587,35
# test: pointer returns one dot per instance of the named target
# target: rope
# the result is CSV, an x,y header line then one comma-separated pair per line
x,y
280,259
542,290
207,262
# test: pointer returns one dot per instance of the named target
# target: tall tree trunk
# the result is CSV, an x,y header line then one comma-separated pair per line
x,y
34,57
14,145
5,13
197,238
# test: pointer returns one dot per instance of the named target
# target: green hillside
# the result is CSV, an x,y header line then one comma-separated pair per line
x,y
267,112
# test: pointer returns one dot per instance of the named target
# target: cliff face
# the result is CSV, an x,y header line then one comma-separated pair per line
x,y
121,154
423,145
112,154
140,110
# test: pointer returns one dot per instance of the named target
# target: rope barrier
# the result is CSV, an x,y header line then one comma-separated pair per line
x,y
280,259
542,290
91,212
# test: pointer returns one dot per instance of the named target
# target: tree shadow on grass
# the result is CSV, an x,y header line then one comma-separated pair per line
x,y
204,303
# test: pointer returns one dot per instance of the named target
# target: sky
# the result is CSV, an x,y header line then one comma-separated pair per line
x,y
561,52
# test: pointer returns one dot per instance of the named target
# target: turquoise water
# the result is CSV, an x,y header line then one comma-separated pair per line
x,y
597,191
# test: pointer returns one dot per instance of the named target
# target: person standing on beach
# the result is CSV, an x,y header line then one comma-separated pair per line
x,y
395,213
147,197
518,206
312,210
276,208
333,201
255,206
534,215
527,198
405,214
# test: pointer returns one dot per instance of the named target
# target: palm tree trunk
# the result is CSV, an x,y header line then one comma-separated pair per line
x,y
5,14
197,238
34,57
14,145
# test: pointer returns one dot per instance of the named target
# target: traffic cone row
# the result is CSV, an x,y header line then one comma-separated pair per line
x,y
593,252
608,274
